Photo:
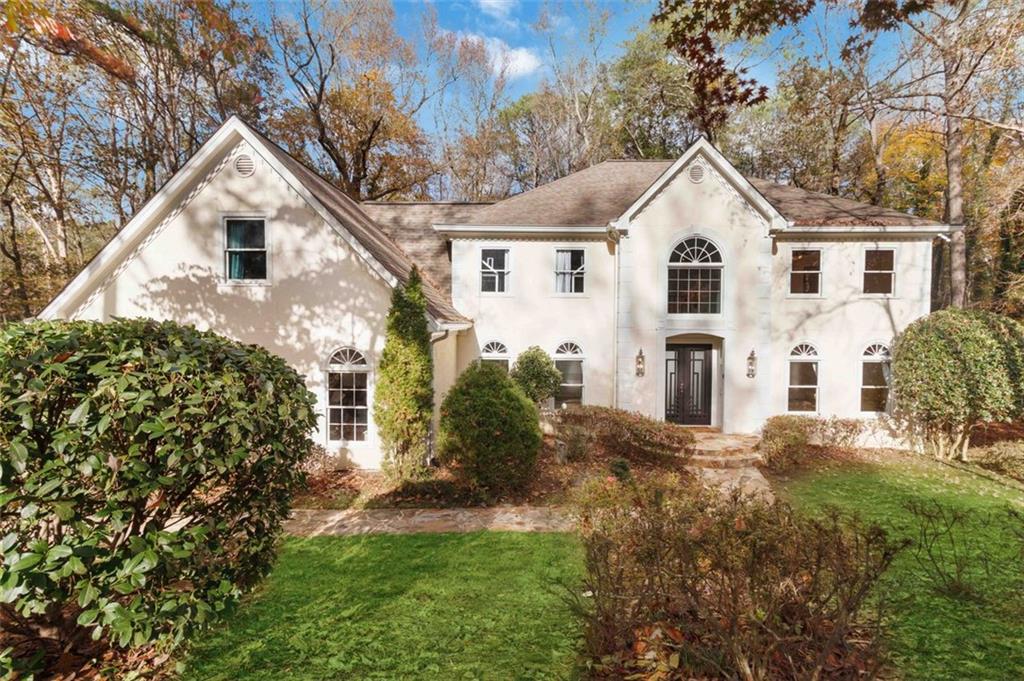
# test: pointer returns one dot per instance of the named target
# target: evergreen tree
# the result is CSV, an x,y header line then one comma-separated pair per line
x,y
404,400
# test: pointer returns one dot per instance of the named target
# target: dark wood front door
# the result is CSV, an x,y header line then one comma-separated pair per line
x,y
688,384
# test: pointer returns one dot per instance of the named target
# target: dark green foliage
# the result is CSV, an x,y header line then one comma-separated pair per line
x,y
403,403
953,370
535,373
147,468
620,469
490,430
629,435
684,582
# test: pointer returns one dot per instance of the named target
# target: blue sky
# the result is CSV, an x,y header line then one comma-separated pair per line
x,y
507,27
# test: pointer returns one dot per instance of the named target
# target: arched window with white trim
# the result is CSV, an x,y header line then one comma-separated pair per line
x,y
803,379
569,361
695,277
875,375
348,396
496,353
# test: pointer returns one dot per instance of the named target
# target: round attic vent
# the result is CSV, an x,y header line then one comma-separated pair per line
x,y
244,165
696,173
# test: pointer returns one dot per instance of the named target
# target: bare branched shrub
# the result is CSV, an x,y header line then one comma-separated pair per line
x,y
684,583
953,548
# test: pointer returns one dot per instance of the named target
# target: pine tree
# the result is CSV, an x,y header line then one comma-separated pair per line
x,y
404,400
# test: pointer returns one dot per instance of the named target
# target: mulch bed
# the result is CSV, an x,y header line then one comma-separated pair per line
x,y
551,485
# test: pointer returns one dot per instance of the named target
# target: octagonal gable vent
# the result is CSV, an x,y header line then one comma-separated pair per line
x,y
245,165
696,173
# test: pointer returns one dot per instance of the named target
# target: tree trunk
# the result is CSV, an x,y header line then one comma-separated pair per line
x,y
954,193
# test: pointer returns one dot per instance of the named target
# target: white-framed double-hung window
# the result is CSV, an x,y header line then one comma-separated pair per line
x,y
245,250
570,270
348,396
494,270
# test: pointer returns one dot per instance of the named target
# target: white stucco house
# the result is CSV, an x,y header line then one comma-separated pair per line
x,y
680,289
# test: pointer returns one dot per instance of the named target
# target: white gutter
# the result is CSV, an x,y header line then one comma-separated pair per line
x,y
466,230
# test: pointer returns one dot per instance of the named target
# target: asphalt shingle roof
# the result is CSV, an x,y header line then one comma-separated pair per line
x,y
601,193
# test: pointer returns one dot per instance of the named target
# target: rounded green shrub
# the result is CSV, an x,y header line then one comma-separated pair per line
x,y
536,374
953,370
490,430
146,470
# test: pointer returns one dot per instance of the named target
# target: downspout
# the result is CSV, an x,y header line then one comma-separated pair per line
x,y
435,338
613,236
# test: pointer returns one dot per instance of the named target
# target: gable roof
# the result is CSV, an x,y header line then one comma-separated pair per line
x,y
369,234
410,225
343,214
605,192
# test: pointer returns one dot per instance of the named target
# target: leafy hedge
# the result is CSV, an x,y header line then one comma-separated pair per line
x,y
489,429
786,439
955,369
147,469
627,434
403,403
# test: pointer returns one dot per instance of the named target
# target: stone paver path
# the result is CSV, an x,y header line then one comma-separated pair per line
x,y
313,523
728,462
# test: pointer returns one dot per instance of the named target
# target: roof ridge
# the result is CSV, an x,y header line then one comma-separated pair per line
x,y
429,203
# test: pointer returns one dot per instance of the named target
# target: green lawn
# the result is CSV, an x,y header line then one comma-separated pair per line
x,y
471,606
932,637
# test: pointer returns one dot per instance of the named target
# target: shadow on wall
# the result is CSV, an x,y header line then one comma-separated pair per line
x,y
301,318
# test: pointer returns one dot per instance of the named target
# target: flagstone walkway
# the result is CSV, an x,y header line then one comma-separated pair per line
x,y
314,523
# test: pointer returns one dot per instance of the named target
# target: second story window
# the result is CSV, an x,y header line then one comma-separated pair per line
x,y
245,251
805,273
695,278
569,270
494,270
879,271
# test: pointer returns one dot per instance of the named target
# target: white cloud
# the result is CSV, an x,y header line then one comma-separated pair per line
x,y
517,62
499,9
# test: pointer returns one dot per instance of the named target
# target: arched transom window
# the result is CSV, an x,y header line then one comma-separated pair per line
x,y
569,361
348,396
875,375
496,353
803,378
695,277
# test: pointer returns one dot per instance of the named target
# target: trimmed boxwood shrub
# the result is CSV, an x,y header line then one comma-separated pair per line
x,y
146,470
490,430
403,403
536,374
953,370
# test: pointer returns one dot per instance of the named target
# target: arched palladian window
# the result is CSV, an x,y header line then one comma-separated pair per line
x,y
348,396
496,353
803,378
569,361
695,277
875,375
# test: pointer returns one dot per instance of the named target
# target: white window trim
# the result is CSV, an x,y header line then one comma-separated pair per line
x,y
497,356
790,271
480,271
328,368
721,289
581,358
571,294
225,280
865,359
806,359
864,270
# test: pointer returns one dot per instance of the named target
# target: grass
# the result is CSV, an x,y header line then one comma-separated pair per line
x,y
932,637
440,606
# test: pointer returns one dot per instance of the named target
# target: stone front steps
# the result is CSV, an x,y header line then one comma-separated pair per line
x,y
729,462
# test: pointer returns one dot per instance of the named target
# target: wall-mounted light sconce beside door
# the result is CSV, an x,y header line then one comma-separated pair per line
x,y
641,363
752,364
